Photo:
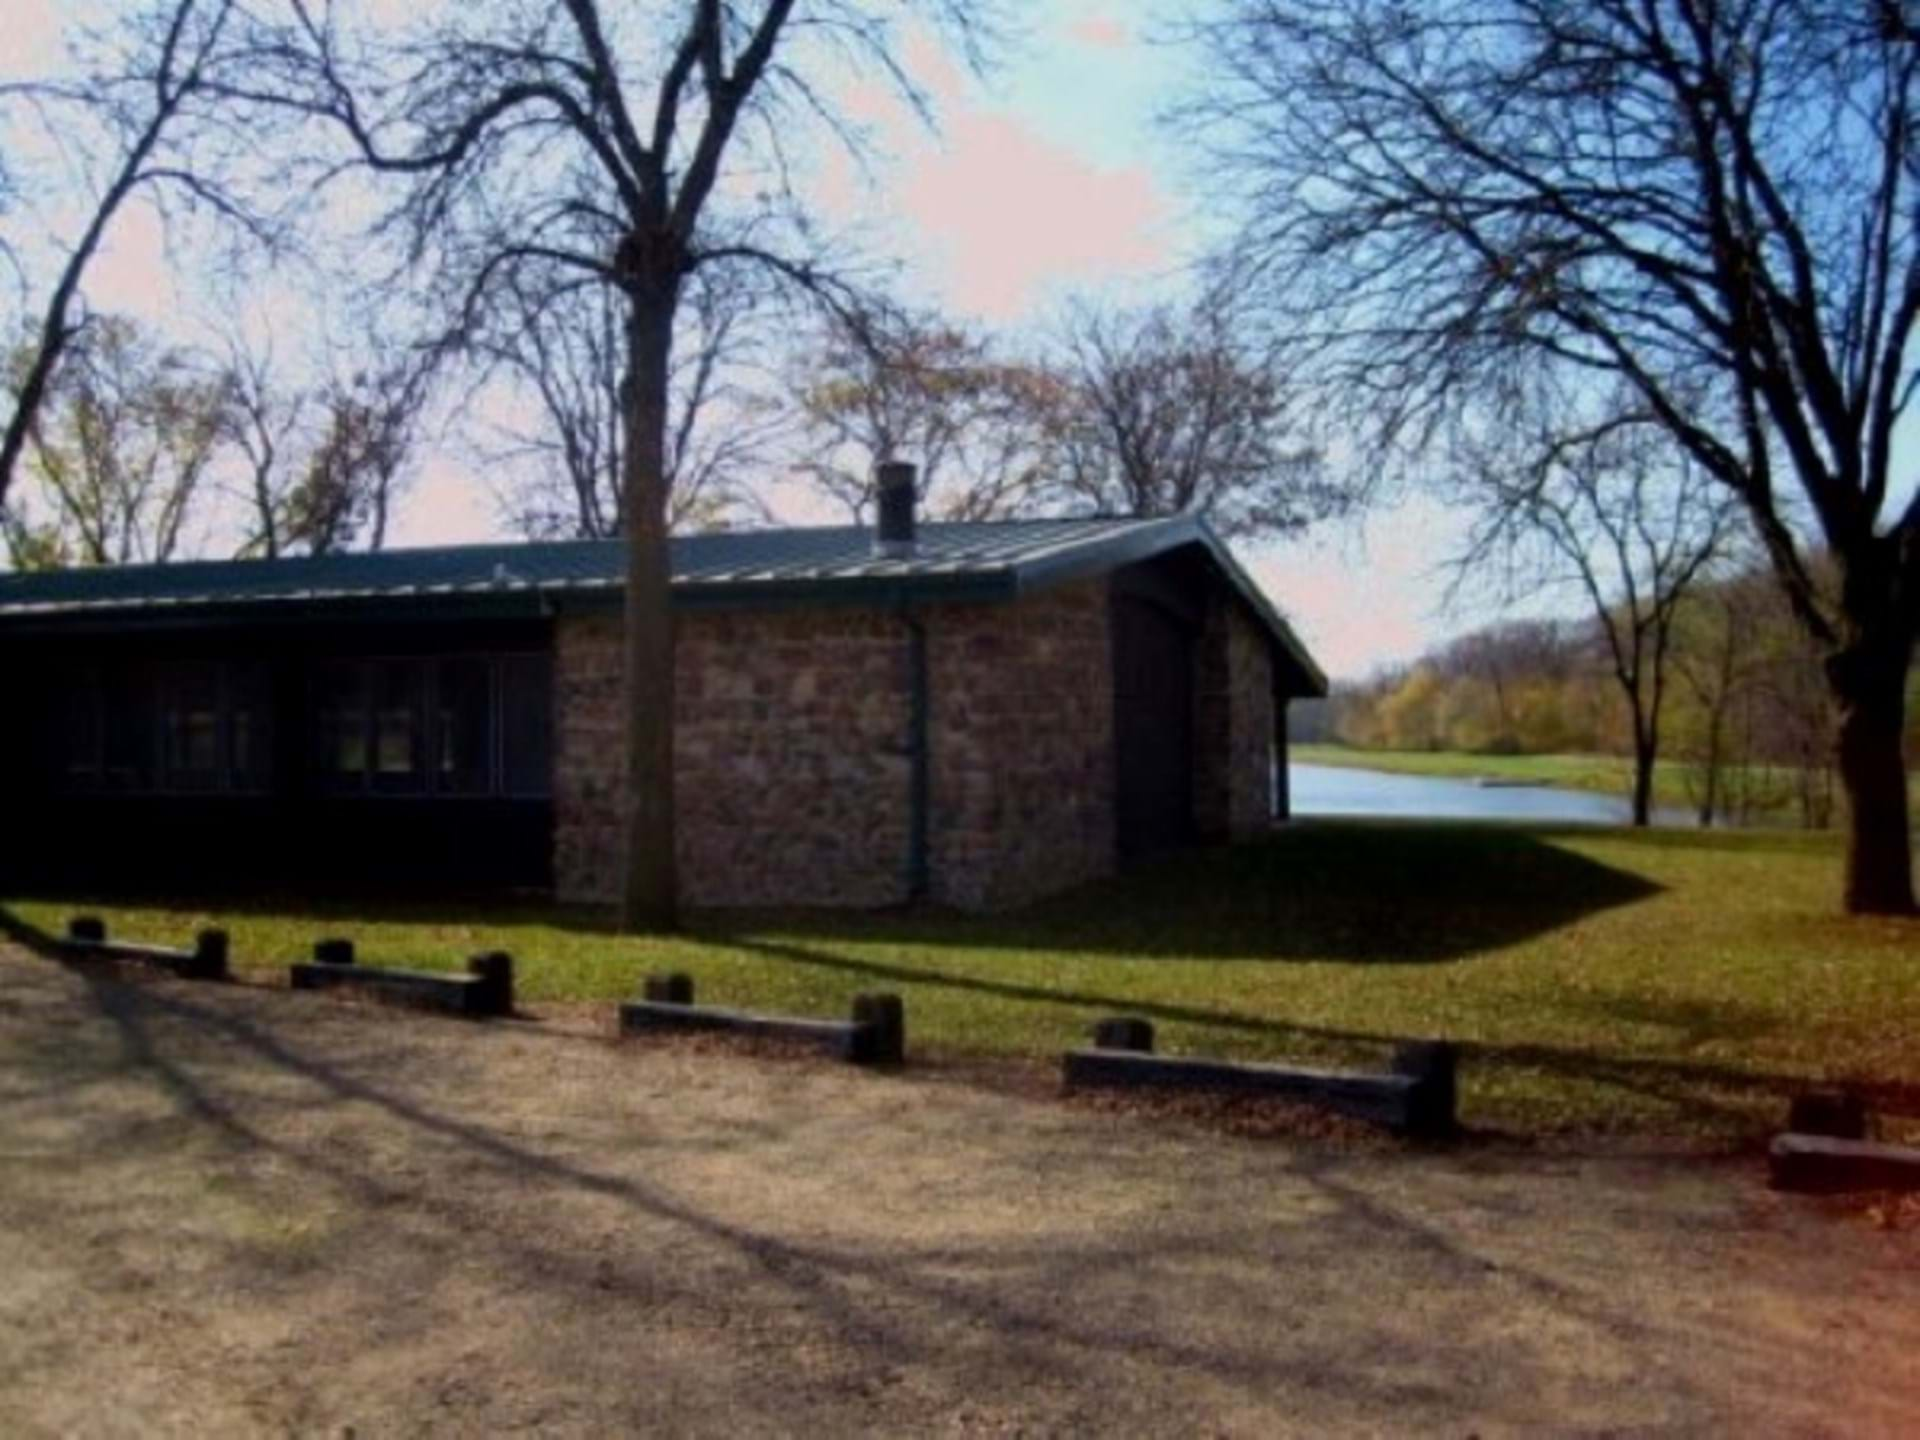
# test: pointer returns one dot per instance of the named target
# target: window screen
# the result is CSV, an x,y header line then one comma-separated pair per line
x,y
83,736
127,704
249,728
463,727
526,711
341,723
399,748
190,727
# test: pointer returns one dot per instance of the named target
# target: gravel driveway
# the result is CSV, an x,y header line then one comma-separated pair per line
x,y
227,1210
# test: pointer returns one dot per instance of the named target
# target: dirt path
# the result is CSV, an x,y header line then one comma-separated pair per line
x,y
234,1211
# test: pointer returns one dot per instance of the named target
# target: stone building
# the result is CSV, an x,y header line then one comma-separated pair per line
x,y
975,715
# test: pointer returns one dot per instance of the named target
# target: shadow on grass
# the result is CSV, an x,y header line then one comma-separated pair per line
x,y
1351,892
1729,1100
1721,1098
1358,892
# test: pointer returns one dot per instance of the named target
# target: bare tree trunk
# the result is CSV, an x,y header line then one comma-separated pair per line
x,y
1710,800
650,898
1870,680
1643,760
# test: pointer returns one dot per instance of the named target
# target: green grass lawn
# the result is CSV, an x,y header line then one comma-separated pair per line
x,y
1671,982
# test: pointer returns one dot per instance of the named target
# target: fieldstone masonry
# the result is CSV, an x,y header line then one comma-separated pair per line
x,y
1233,725
793,732
791,757
1022,746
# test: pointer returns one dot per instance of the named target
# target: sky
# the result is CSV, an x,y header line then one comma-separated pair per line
x,y
1051,176
1055,175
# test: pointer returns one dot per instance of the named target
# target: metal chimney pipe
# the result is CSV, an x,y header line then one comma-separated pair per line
x,y
896,482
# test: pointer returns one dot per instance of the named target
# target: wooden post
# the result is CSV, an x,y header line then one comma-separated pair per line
x,y
674,989
1282,781
1431,1107
495,971
887,1044
1124,1032
333,951
1832,1113
209,960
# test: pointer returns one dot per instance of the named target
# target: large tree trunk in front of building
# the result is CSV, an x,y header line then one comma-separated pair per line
x,y
1869,678
649,899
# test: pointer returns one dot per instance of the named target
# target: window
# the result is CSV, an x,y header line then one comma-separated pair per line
x,y
340,726
466,725
463,727
399,742
188,728
126,702
526,709
85,734
249,709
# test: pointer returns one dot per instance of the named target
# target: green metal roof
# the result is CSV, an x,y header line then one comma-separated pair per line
x,y
985,561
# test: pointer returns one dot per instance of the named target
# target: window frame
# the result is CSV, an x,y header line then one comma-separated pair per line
x,y
427,668
153,688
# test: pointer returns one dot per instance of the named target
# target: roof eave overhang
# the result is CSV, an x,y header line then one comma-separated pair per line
x,y
517,602
1150,540
1138,542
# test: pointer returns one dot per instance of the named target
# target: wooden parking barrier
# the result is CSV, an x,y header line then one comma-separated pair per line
x,y
875,1035
207,960
1418,1096
1826,1165
486,990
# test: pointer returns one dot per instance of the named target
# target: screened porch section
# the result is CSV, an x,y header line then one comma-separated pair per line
x,y
302,760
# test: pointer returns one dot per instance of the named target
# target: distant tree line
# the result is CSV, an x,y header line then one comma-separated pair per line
x,y
1748,716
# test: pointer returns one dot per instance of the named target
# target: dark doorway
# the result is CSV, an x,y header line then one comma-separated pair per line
x,y
1153,726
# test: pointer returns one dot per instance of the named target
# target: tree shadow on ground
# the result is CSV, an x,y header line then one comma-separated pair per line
x,y
1347,892
1701,1096
1356,892
199,1055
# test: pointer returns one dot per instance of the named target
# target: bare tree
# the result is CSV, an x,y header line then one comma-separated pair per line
x,y
888,384
1714,667
158,119
265,424
118,453
1166,412
571,354
321,464
1713,203
1623,515
586,142
348,490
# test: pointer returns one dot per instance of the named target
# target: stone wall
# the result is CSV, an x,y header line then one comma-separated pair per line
x,y
791,757
1021,730
1234,718
793,761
